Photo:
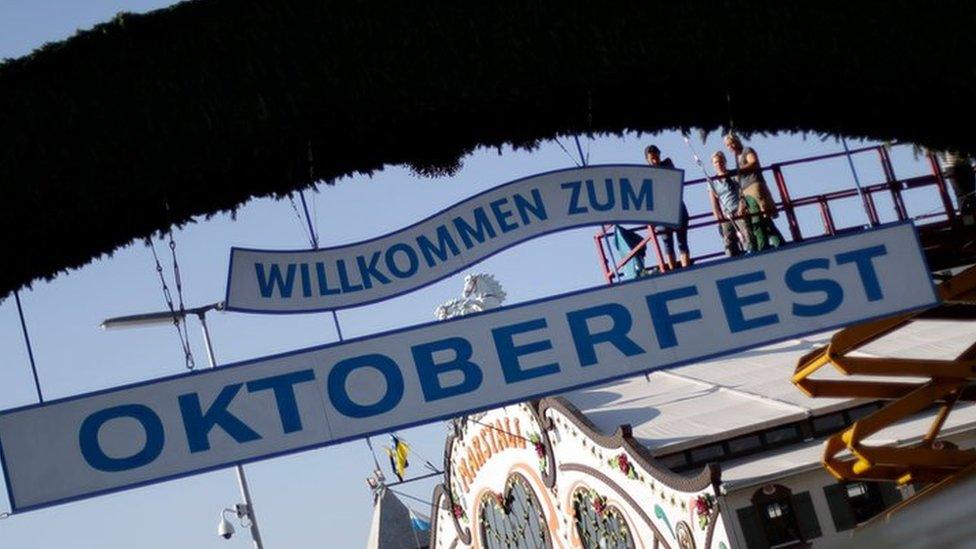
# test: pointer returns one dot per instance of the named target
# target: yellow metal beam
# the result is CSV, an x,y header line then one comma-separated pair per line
x,y
846,455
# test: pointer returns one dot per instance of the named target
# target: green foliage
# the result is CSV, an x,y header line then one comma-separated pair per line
x,y
149,120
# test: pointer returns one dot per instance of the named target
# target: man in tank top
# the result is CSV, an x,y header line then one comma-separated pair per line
x,y
755,193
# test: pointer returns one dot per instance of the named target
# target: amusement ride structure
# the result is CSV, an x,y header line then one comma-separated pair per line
x,y
907,385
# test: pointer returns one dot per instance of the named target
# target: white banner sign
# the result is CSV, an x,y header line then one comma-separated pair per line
x,y
268,281
167,428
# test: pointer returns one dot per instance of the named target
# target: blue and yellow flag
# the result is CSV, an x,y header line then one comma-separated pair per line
x,y
398,456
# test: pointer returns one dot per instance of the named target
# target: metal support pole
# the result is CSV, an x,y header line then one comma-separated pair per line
x,y
241,478
598,240
784,194
30,350
613,260
652,232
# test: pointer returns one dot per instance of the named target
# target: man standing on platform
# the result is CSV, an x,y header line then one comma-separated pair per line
x,y
729,209
653,156
759,201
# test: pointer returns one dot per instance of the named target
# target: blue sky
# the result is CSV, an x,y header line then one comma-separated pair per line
x,y
317,498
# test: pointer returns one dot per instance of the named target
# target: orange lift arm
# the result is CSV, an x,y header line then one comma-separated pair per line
x,y
947,381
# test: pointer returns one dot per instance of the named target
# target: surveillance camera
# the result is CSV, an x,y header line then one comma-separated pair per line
x,y
226,529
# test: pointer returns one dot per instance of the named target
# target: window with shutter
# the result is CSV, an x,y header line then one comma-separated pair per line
x,y
840,509
774,507
752,530
865,498
806,516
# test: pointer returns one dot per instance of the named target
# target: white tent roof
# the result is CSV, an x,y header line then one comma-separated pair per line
x,y
719,399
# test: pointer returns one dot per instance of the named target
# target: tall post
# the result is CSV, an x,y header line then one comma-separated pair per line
x,y
241,478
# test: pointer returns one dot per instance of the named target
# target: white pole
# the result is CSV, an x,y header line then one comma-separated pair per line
x,y
241,478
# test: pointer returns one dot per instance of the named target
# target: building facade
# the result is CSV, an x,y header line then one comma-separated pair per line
x,y
721,454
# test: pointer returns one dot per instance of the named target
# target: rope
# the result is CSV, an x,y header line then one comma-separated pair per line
x,y
184,341
308,220
312,178
571,157
579,150
427,462
30,350
414,479
301,194
298,216
857,180
698,160
408,496
376,462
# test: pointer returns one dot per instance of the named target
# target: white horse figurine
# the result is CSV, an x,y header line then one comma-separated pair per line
x,y
481,292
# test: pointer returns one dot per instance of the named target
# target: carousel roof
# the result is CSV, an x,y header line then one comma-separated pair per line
x,y
150,120
719,399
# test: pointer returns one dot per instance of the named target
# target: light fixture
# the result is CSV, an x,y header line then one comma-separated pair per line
x,y
159,318
225,529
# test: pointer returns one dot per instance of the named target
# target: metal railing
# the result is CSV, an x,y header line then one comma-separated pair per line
x,y
787,206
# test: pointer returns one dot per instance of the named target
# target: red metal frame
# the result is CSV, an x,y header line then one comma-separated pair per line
x,y
788,206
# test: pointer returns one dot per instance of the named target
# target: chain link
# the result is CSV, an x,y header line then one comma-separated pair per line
x,y
179,295
180,332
